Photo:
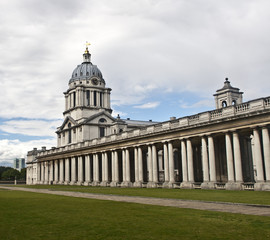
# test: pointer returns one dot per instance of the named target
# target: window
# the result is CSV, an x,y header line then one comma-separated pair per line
x,y
95,98
224,104
233,102
69,133
100,98
101,131
74,99
88,98
102,120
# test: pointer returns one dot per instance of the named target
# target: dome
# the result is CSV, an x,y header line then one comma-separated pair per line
x,y
86,70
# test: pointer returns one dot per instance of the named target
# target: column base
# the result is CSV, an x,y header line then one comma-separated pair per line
x,y
208,185
168,185
262,186
95,184
55,182
186,185
79,183
104,184
113,184
152,185
234,186
86,184
137,184
66,183
72,183
126,184
46,182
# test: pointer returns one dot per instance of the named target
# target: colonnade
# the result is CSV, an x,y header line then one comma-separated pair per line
x,y
235,159
91,97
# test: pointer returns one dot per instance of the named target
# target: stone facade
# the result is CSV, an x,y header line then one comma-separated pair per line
x,y
227,148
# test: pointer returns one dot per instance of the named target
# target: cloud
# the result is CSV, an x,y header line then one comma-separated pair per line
x,y
200,104
11,149
148,105
31,127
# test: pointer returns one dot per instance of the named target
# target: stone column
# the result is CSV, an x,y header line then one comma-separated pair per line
x,y
46,173
38,173
116,168
61,171
136,165
127,168
237,158
87,170
103,169
106,167
51,172
155,164
190,161
124,165
67,174
150,166
42,179
212,160
171,164
80,170
56,177
258,156
205,160
184,162
73,171
266,151
113,165
166,163
96,169
140,164
229,156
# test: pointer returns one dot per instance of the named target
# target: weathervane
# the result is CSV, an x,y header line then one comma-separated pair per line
x,y
87,44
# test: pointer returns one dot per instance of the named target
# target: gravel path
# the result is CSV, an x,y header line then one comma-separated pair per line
x,y
250,209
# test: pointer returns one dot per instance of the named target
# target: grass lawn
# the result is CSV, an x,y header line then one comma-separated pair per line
x,y
252,197
25,215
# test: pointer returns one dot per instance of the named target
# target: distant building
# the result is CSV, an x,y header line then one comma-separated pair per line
x,y
19,163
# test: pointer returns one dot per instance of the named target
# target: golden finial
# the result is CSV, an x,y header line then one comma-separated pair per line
x,y
87,44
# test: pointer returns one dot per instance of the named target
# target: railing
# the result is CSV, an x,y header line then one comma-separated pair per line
x,y
242,107
220,185
254,105
248,186
267,101
216,113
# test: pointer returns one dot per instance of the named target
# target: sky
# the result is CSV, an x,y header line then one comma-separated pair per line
x,y
162,58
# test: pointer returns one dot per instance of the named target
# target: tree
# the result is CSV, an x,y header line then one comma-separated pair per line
x,y
10,174
3,169
23,174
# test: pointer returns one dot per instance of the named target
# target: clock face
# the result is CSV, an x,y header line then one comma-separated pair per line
x,y
94,81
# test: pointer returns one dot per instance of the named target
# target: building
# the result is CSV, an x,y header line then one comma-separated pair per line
x,y
19,163
226,148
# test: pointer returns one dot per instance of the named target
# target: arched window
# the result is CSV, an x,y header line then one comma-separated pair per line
x,y
224,104
69,133
102,120
101,131
233,102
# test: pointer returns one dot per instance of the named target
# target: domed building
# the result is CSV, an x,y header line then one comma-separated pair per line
x,y
88,110
224,148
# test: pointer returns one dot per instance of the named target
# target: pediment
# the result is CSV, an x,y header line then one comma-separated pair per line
x,y
68,120
99,118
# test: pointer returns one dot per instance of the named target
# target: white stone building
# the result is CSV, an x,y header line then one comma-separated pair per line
x,y
226,148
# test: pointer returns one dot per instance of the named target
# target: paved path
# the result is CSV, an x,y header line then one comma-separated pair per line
x,y
250,209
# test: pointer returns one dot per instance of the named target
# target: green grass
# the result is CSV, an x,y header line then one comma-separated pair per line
x,y
251,197
25,215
